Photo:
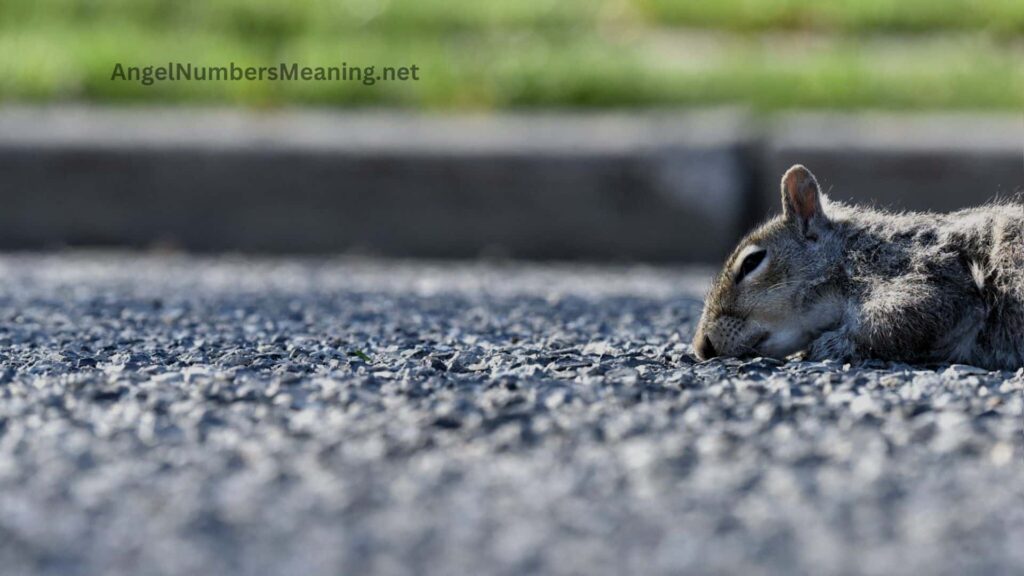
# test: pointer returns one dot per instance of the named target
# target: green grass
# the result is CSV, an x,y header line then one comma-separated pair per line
x,y
1003,16
284,17
474,54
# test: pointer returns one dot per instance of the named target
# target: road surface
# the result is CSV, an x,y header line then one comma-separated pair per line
x,y
175,415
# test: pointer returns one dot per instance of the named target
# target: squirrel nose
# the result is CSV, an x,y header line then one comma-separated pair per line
x,y
705,349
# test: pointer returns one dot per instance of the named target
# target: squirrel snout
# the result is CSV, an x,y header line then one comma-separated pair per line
x,y
704,348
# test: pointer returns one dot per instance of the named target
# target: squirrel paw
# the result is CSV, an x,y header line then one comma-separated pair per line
x,y
832,345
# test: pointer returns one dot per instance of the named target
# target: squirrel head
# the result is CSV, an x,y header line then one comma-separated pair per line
x,y
770,298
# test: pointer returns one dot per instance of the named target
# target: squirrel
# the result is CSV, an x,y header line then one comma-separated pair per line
x,y
848,283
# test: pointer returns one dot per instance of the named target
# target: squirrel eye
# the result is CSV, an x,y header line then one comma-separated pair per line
x,y
750,263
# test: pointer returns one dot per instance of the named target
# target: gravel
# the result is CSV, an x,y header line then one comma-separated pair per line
x,y
163,414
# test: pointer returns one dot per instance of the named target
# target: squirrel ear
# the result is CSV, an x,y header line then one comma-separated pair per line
x,y
801,201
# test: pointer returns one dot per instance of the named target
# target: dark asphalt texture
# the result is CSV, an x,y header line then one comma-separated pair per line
x,y
176,415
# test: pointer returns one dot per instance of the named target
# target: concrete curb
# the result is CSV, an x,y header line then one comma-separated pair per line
x,y
901,162
653,186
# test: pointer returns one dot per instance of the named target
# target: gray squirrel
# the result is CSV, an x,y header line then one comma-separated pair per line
x,y
850,283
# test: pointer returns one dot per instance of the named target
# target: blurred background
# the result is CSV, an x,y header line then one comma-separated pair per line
x,y
649,130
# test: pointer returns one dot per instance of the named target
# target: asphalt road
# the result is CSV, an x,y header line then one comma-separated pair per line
x,y
168,415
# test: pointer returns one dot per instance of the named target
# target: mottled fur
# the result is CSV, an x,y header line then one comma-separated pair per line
x,y
850,283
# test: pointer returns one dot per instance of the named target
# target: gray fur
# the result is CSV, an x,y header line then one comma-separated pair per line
x,y
863,283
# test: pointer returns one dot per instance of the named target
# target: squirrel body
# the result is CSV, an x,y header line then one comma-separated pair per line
x,y
850,283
